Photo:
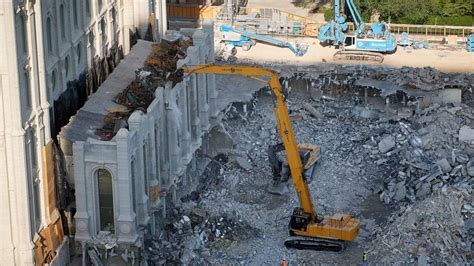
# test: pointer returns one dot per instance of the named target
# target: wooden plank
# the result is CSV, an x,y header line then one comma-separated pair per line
x,y
49,180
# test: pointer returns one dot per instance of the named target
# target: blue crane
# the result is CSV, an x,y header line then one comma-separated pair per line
x,y
376,38
240,38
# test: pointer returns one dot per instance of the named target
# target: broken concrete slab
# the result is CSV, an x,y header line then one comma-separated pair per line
x,y
243,163
400,191
444,164
386,144
466,134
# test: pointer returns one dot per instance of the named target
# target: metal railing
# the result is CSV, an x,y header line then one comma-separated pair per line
x,y
428,32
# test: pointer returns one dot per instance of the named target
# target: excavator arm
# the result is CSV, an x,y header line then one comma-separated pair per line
x,y
283,120
304,221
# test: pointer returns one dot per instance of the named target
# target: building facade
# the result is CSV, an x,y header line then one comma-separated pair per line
x,y
124,186
45,47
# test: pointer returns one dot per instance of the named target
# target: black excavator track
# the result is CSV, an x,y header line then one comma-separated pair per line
x,y
316,244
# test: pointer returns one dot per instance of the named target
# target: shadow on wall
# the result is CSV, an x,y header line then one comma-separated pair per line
x,y
80,89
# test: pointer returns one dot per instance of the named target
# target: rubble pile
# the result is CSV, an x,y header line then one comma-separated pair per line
x,y
431,231
365,150
426,153
388,81
160,67
192,234
165,56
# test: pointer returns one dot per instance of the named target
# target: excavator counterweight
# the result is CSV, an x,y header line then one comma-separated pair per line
x,y
309,231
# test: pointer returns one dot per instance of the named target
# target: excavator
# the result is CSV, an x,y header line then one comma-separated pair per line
x,y
307,229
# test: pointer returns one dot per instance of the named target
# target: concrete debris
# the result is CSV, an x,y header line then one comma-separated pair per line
x,y
386,144
432,230
105,239
191,234
412,166
466,134
160,68
244,163
315,113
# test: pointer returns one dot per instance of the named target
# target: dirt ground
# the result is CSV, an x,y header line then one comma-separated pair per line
x,y
287,6
446,59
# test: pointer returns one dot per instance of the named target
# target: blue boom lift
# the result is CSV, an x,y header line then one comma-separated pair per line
x,y
240,38
366,43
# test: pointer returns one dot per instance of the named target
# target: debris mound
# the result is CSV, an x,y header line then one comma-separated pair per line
x,y
190,237
431,231
160,67
427,153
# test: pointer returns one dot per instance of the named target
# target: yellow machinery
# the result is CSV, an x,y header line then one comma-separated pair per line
x,y
308,230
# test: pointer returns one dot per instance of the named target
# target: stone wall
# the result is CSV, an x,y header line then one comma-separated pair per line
x,y
152,160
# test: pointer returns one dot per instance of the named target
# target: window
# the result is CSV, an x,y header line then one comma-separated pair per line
x,y
53,80
188,108
145,168
66,67
91,39
49,34
91,43
62,18
79,53
152,6
99,3
106,200
157,153
75,10
24,33
33,181
88,8
27,89
133,169
207,87
103,31
113,17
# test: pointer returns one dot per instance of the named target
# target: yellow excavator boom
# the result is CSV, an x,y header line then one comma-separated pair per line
x,y
305,221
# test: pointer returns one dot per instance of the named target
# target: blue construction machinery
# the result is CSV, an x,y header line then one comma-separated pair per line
x,y
405,41
470,43
239,38
366,43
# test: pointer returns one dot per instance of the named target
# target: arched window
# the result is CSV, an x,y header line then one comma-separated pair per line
x,y
49,34
62,18
23,33
106,201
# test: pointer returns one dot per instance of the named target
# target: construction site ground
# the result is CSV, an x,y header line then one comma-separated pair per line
x,y
376,164
441,57
287,6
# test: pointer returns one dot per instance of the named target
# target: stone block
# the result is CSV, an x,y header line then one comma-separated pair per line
x,y
386,144
466,134
445,166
